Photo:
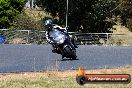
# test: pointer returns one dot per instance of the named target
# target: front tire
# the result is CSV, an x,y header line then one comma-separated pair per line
x,y
69,52
74,57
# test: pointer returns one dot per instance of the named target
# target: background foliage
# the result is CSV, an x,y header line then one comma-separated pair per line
x,y
8,10
87,15
24,22
83,15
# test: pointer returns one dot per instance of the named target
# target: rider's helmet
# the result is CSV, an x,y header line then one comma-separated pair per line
x,y
48,24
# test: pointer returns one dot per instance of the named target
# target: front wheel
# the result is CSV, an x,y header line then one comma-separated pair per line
x,y
70,52
74,57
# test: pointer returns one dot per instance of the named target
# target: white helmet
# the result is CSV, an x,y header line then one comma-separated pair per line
x,y
48,22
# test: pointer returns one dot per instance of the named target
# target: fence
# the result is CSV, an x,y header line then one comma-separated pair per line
x,y
23,36
103,39
38,37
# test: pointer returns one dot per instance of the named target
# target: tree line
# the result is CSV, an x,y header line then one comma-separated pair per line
x,y
8,10
88,15
83,15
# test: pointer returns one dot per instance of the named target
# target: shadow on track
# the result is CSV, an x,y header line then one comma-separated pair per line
x,y
67,60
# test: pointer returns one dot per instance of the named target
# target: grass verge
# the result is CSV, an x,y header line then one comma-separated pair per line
x,y
58,79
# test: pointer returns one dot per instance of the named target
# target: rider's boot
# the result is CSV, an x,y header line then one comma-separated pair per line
x,y
54,50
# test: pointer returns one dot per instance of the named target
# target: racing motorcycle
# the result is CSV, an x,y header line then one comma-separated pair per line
x,y
63,43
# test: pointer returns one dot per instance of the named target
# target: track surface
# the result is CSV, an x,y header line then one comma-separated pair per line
x,y
18,58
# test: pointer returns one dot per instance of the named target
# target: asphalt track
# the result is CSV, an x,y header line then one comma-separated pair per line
x,y
20,58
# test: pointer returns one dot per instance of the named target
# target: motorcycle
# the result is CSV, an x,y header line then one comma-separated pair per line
x,y
63,44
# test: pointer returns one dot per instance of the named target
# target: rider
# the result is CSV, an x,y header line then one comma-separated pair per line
x,y
49,26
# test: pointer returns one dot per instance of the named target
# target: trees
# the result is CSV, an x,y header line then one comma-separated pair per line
x,y
83,15
8,10
126,13
24,22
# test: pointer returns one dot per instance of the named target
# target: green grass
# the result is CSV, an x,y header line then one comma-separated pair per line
x,y
53,81
47,83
